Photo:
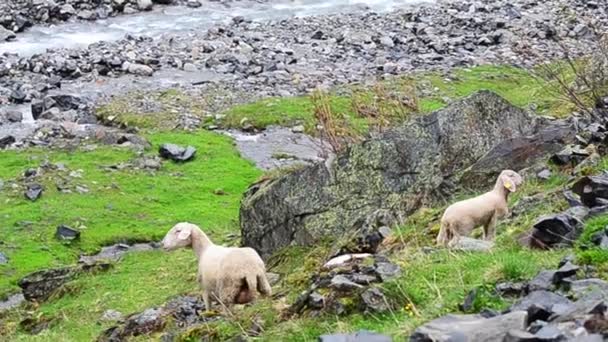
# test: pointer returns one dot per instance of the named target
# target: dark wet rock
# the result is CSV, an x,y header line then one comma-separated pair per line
x,y
115,252
593,190
517,153
538,313
63,107
341,283
510,289
600,239
565,271
35,325
549,301
555,231
316,301
321,195
177,153
470,328
33,192
39,286
3,259
572,199
361,336
7,141
182,312
373,300
542,281
65,233
571,155
386,270
469,301
151,320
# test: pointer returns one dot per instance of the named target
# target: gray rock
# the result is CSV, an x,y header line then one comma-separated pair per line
x,y
600,239
582,287
33,192
3,259
593,190
144,5
373,300
6,35
341,283
316,301
452,328
12,116
39,286
177,153
549,301
65,233
570,155
111,316
273,278
542,281
544,174
555,231
472,245
361,336
382,168
87,15
140,69
386,270
7,141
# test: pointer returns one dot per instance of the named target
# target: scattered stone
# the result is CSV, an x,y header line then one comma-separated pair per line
x,y
115,252
470,328
511,289
387,271
469,301
373,300
6,35
140,69
298,129
545,174
65,233
593,190
316,301
361,336
7,141
177,153
144,5
345,259
341,283
33,192
555,231
39,286
472,245
273,278
3,259
571,155
549,301
111,316
542,281
600,239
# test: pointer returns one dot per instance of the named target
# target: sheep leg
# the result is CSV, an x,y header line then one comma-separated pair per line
x,y
206,300
489,229
263,286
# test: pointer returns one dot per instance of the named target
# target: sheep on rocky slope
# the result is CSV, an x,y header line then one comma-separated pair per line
x,y
228,275
462,217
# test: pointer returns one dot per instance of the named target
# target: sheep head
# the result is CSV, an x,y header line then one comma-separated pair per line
x,y
509,179
179,236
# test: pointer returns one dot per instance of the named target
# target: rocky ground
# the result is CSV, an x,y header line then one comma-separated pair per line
x,y
294,56
349,241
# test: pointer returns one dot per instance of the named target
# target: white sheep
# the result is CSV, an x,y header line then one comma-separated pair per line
x,y
229,275
462,217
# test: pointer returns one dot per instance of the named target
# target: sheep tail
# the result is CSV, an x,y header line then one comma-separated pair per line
x,y
263,285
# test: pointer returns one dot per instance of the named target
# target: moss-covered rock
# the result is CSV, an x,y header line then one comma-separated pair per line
x,y
397,172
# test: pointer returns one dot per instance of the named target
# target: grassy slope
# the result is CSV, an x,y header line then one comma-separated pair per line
x,y
434,89
143,207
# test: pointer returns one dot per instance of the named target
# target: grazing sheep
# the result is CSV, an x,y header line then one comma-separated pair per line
x,y
462,217
227,274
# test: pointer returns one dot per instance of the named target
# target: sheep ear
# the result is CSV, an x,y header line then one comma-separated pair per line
x,y
509,184
184,234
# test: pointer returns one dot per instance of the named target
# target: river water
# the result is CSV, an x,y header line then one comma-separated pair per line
x,y
176,19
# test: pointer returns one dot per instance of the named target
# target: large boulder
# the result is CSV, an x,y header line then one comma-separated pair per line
x,y
396,172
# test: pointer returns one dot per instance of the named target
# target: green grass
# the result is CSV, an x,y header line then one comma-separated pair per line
x,y
517,85
121,205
